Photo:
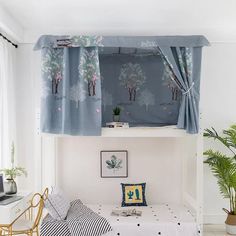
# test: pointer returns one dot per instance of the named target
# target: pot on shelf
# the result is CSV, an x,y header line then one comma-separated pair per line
x,y
116,118
230,223
10,186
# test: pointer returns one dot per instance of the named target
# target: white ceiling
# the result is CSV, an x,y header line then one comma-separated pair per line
x,y
215,18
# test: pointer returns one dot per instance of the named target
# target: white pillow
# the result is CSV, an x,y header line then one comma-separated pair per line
x,y
57,205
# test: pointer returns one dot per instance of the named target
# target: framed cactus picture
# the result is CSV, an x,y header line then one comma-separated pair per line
x,y
114,164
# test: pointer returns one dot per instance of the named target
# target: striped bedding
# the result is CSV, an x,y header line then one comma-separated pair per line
x,y
80,221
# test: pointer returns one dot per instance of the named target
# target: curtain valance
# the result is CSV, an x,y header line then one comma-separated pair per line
x,y
121,41
72,84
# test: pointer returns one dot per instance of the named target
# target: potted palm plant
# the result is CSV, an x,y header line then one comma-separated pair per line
x,y
12,173
116,114
223,167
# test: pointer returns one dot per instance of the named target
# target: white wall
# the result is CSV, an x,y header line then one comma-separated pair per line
x,y
218,101
218,104
213,18
151,160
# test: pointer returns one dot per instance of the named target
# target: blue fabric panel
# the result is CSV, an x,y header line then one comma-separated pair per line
x,y
66,106
151,89
121,41
184,68
157,99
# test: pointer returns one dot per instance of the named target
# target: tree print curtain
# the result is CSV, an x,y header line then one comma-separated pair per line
x,y
71,93
182,65
141,87
132,77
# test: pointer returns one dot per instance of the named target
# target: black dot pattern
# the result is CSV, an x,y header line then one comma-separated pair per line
x,y
156,215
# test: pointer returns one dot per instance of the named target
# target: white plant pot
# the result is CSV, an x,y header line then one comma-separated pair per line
x,y
230,224
116,118
230,229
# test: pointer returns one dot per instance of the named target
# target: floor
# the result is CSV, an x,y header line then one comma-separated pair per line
x,y
214,230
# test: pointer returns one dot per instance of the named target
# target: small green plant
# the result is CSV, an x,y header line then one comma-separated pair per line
x,y
13,172
223,166
116,111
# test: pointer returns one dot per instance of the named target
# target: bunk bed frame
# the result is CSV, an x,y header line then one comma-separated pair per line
x,y
192,160
47,166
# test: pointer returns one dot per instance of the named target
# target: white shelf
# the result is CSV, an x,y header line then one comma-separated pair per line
x,y
138,132
170,131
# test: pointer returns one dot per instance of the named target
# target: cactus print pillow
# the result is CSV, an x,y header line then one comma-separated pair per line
x,y
133,195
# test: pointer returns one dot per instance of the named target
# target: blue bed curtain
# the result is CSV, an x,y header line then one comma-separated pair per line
x,y
71,91
184,65
71,94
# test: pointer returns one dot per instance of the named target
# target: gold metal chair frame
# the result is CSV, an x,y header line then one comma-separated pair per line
x,y
7,230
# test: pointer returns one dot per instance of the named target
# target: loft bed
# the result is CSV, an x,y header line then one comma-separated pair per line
x,y
84,77
188,209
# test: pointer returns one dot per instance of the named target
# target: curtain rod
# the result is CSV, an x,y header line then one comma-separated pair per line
x,y
8,40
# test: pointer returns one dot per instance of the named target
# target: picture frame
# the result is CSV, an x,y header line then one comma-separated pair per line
x,y
114,163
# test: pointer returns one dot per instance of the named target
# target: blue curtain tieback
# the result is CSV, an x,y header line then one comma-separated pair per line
x,y
190,88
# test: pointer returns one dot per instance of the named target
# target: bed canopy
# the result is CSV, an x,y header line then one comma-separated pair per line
x,y
82,75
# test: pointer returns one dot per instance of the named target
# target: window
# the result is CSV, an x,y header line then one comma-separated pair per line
x,y
7,117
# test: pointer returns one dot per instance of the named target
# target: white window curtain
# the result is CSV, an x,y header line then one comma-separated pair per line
x,y
7,101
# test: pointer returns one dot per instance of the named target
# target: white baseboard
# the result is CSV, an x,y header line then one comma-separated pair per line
x,y
214,219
